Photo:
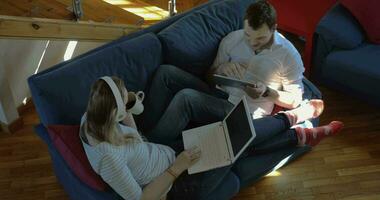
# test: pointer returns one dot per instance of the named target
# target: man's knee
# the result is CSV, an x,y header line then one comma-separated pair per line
x,y
165,71
187,96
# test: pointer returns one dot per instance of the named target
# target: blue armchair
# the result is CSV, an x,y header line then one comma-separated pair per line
x,y
343,59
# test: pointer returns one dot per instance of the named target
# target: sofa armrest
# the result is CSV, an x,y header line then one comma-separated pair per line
x,y
339,28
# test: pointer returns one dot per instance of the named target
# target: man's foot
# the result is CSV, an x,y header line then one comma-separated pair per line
x,y
311,109
312,136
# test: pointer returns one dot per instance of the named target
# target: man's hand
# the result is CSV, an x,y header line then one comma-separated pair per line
x,y
235,70
256,92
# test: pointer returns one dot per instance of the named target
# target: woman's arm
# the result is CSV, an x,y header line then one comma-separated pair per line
x,y
160,185
116,174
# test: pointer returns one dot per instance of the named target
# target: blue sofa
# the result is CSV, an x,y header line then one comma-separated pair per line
x,y
189,41
343,59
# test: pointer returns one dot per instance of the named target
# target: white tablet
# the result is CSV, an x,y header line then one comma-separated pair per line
x,y
229,81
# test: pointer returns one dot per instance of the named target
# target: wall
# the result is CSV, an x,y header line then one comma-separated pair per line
x,y
2,72
20,59
7,108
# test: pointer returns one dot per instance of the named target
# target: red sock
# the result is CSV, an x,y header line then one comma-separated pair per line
x,y
312,136
311,109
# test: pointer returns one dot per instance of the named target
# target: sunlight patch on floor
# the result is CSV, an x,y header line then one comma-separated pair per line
x,y
273,174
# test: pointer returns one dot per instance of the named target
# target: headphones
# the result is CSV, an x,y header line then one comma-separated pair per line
x,y
121,112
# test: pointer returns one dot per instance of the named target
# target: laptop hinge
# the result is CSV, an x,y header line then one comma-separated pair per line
x,y
228,144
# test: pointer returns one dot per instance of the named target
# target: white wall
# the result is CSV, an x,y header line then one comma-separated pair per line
x,y
2,72
19,59
83,47
7,108
2,115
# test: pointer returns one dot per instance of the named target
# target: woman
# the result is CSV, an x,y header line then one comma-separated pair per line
x,y
138,169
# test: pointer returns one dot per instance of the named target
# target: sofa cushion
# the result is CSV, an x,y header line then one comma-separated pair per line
x,y
192,42
336,20
61,95
66,140
367,13
359,66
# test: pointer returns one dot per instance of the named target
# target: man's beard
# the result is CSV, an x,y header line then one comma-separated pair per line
x,y
267,45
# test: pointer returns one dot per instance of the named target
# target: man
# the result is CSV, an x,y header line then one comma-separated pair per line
x,y
257,53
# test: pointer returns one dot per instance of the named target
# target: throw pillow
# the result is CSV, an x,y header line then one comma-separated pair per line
x,y
366,12
66,139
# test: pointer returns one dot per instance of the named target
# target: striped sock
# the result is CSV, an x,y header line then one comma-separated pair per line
x,y
312,109
312,136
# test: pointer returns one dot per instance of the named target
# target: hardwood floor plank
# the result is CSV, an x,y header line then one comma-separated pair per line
x,y
359,170
363,197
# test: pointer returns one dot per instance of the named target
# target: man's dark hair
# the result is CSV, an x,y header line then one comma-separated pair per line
x,y
259,13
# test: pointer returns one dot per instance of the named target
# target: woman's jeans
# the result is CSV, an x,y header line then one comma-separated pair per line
x,y
177,98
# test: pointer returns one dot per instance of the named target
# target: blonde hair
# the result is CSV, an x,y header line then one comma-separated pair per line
x,y
101,111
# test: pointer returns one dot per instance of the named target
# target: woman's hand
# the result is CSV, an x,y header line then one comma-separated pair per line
x,y
161,184
186,159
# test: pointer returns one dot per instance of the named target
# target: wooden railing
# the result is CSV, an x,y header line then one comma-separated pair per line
x,y
52,29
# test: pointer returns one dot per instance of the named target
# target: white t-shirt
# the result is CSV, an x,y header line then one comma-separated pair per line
x,y
280,67
128,168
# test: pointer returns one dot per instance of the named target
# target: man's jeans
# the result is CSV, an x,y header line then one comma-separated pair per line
x,y
177,98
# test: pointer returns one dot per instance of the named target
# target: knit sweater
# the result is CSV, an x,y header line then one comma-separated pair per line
x,y
127,168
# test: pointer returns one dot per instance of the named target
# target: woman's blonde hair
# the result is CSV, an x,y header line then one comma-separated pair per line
x,y
101,121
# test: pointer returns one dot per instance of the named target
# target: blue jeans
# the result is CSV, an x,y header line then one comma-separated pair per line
x,y
177,98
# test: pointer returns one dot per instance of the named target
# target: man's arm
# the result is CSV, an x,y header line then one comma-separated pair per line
x,y
292,87
286,99
221,57
290,98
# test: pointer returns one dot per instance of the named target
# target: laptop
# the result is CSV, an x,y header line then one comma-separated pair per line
x,y
222,142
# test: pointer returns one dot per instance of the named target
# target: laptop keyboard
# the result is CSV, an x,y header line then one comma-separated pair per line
x,y
213,142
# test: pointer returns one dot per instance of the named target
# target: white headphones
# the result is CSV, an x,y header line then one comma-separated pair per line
x,y
121,112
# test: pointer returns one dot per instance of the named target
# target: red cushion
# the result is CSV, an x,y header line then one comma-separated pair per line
x,y
66,139
366,12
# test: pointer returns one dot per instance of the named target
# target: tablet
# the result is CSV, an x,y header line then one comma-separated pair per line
x,y
232,82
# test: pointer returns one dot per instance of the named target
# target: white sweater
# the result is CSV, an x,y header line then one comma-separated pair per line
x,y
280,67
128,168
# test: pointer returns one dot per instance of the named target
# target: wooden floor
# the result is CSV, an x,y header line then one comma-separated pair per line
x,y
344,167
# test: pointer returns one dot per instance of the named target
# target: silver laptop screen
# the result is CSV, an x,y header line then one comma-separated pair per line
x,y
238,128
